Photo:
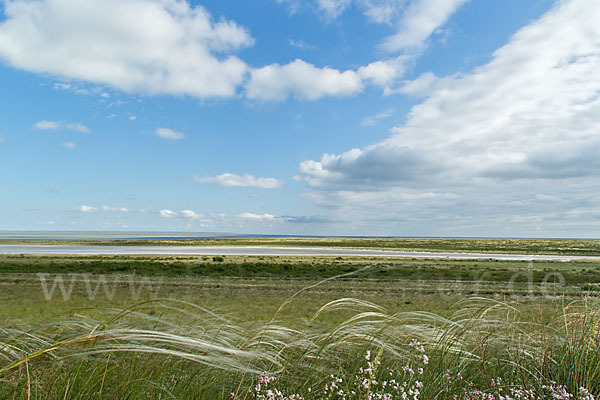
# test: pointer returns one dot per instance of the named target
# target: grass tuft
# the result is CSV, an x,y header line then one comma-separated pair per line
x,y
174,349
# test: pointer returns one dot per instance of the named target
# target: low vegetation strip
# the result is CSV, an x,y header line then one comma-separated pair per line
x,y
506,246
309,268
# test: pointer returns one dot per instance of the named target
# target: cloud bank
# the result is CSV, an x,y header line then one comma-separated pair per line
x,y
525,124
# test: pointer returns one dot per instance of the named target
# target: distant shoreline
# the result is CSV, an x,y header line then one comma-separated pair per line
x,y
26,235
274,251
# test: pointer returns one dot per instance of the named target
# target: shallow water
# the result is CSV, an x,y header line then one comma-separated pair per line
x,y
264,251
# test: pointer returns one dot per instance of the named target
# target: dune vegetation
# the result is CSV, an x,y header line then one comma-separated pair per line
x,y
470,245
289,328
484,349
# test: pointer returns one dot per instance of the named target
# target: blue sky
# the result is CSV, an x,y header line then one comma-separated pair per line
x,y
343,117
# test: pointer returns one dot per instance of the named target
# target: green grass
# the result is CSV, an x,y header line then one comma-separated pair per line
x,y
576,272
422,284
516,246
197,328
171,349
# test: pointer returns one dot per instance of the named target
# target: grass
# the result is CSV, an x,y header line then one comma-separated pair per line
x,y
189,352
192,327
515,246
579,272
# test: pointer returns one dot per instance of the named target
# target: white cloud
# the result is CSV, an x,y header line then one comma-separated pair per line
x,y
79,90
166,133
87,209
377,11
374,119
525,124
233,180
301,44
527,111
190,214
170,47
76,126
305,81
383,73
152,46
69,145
115,209
415,20
333,8
292,5
62,86
167,213
302,80
381,11
48,125
60,125
256,217
420,19
132,118
424,85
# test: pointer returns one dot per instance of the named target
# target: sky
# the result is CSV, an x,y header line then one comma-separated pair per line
x,y
301,117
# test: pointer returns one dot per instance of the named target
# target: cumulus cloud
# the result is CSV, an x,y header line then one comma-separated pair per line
x,y
306,81
61,125
370,167
187,216
86,209
153,46
526,121
170,47
190,214
233,180
256,217
302,80
167,213
383,73
69,145
169,134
